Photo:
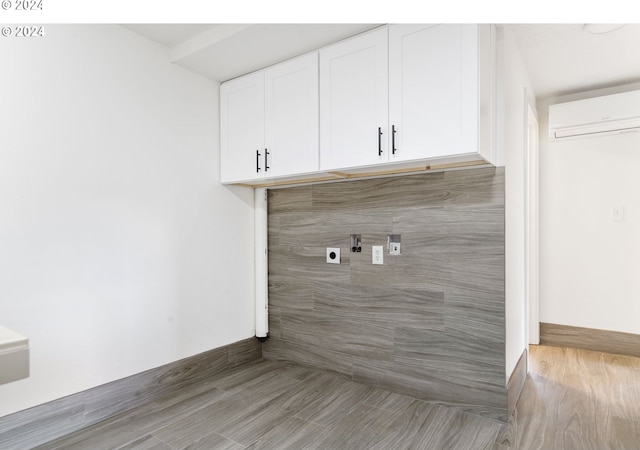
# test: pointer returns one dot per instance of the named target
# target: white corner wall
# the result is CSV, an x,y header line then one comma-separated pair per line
x,y
589,263
515,93
119,249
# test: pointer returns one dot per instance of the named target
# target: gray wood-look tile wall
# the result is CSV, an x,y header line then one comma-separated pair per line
x,y
428,323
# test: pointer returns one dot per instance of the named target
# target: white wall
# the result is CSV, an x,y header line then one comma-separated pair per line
x,y
515,93
119,249
589,264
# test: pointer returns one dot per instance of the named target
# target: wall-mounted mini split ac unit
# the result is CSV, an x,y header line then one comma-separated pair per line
x,y
609,114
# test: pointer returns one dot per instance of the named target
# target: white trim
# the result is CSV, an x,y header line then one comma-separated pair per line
x,y
531,180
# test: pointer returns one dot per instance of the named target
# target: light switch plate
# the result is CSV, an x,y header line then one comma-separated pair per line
x,y
333,255
377,254
617,213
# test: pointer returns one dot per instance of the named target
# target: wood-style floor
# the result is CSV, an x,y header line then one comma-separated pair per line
x,y
577,399
572,399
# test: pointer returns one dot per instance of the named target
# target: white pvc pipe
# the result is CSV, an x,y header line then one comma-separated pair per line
x,y
261,268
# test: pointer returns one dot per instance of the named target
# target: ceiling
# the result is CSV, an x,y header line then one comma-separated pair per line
x,y
226,51
560,58
564,58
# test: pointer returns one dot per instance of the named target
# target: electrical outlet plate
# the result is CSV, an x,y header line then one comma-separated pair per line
x,y
333,255
377,254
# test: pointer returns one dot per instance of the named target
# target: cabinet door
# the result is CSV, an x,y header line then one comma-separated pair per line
x,y
433,86
291,114
242,128
354,101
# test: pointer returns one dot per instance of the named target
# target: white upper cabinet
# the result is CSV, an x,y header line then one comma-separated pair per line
x,y
291,127
354,101
242,128
397,98
406,93
269,122
433,91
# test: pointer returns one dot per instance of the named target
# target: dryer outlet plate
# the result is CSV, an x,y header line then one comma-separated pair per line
x,y
333,255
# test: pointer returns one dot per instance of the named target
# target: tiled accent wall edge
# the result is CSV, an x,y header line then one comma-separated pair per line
x,y
516,381
590,339
43,423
